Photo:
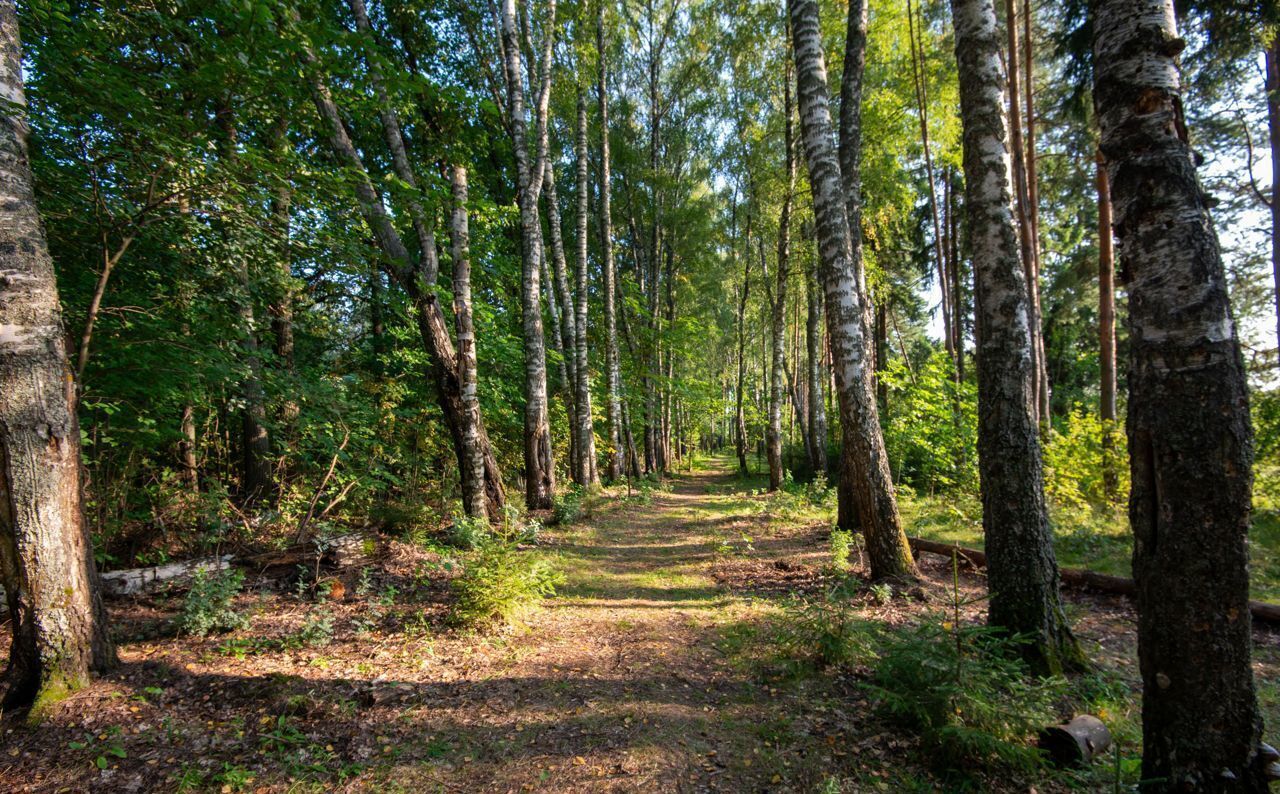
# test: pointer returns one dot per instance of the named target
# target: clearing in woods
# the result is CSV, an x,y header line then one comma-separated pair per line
x,y
654,669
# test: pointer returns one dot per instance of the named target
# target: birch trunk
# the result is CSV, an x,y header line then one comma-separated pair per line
x,y
1106,331
814,349
418,283
840,253
560,302
613,455
739,413
471,455
586,472
1190,441
539,464
778,382
46,556
1023,572
1272,64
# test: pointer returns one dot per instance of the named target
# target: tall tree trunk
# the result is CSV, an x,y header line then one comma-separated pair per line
x,y
46,556
1106,331
1022,210
613,370
847,317
739,412
1022,570
418,282
256,471
539,463
471,454
814,351
957,296
586,472
560,302
281,308
1272,60
778,382
1190,441
916,41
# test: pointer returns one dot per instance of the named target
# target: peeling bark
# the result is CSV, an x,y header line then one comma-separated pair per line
x,y
1023,573
863,451
46,557
1190,440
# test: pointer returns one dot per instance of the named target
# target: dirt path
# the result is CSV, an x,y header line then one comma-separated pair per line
x,y
655,669
629,680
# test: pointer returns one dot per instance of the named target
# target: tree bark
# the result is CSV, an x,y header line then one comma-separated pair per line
x,y
1190,440
1020,203
613,414
560,303
471,454
814,349
586,472
46,555
1272,62
778,383
1023,573
739,412
847,322
539,463
1106,332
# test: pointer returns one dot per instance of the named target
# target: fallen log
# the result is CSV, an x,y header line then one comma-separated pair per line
x,y
143,580
1076,577
340,552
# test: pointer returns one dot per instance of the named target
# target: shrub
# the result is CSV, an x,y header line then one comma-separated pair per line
x,y
827,631
568,507
499,582
968,694
468,533
841,543
209,604
1075,462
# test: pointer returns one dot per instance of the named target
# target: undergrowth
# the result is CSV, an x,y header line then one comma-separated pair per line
x,y
499,582
209,605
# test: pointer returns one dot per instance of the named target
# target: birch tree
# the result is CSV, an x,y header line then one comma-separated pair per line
x,y
1022,570
613,370
539,463
586,471
863,449
1190,440
46,556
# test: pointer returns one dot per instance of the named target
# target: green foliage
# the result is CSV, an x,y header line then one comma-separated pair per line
x,y
1075,462
967,692
209,606
931,425
841,543
826,631
568,505
499,582
469,532
102,747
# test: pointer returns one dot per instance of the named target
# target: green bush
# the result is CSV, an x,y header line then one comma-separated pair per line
x,y
968,694
498,582
1075,462
568,507
841,544
931,425
469,532
827,631
209,604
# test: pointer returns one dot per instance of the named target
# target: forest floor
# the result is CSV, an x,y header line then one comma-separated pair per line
x,y
653,669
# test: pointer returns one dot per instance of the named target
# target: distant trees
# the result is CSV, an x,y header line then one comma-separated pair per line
x,y
1190,439
46,555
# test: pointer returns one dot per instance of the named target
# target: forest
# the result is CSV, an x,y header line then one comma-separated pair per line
x,y
640,395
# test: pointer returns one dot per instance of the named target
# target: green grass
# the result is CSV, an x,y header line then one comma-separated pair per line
x,y
1097,540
